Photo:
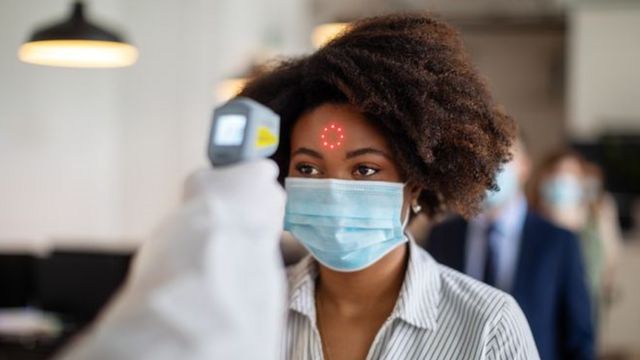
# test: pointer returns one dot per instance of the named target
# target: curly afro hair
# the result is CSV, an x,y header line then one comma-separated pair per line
x,y
409,75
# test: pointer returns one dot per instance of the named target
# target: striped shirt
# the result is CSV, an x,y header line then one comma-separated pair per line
x,y
440,314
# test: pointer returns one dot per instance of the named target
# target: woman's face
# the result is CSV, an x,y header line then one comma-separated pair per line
x,y
336,141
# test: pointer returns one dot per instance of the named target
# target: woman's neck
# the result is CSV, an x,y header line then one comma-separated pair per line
x,y
374,288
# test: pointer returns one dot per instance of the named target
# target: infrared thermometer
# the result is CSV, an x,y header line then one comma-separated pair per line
x,y
242,129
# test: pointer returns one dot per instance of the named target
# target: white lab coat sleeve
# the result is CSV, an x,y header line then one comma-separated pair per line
x,y
210,284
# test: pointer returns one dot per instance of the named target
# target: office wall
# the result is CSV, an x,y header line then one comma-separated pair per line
x,y
604,73
523,66
99,156
167,100
59,174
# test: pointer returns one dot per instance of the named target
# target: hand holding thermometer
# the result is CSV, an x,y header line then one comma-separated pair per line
x,y
242,129
196,241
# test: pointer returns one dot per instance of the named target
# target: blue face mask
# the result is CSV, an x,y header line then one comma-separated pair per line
x,y
507,181
563,191
346,225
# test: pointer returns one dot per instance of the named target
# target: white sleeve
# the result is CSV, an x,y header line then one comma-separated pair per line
x,y
210,284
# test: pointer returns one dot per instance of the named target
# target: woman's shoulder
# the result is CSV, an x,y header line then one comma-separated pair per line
x,y
463,294
462,305
505,329
461,287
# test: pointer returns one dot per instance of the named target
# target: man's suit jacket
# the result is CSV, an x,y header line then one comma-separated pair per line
x,y
549,283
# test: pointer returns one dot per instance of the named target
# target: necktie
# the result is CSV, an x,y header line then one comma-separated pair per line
x,y
491,258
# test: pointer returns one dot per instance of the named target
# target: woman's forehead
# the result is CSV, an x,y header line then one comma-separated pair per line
x,y
569,164
336,126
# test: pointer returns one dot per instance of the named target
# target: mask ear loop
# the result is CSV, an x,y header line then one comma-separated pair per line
x,y
405,222
415,207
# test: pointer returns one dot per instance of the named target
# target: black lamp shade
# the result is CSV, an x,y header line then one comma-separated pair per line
x,y
75,28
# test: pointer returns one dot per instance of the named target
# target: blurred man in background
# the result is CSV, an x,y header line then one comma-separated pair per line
x,y
512,248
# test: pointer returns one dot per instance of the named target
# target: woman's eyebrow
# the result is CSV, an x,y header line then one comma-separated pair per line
x,y
307,151
368,150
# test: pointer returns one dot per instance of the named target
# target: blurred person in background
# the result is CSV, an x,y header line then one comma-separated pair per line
x,y
511,247
569,191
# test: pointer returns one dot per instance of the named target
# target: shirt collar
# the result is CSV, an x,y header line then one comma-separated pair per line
x,y
417,302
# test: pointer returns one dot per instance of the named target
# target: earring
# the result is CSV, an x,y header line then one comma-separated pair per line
x,y
416,207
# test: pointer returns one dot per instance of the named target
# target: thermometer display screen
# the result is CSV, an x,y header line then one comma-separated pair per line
x,y
230,130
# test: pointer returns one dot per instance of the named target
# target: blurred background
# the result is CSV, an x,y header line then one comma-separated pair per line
x,y
91,160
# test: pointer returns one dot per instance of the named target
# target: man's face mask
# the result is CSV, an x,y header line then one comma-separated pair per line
x,y
347,225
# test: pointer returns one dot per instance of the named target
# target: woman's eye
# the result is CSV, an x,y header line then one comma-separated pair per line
x,y
306,169
363,170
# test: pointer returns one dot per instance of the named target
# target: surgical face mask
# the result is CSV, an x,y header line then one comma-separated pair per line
x,y
507,181
563,191
346,225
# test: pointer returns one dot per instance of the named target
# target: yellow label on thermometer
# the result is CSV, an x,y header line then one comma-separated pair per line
x,y
266,138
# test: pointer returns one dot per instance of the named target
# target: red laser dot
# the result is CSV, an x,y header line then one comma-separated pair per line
x,y
341,136
332,146
332,126
325,129
322,136
339,129
338,144
325,143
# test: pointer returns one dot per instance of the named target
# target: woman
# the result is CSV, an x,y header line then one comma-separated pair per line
x,y
568,190
388,119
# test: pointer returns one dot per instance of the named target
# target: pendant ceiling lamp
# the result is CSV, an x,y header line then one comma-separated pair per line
x,y
75,42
